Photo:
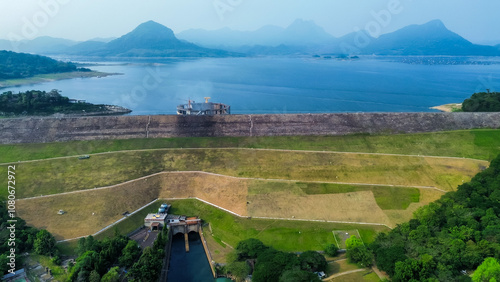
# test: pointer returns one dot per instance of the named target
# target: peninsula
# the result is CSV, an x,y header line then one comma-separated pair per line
x,y
41,103
20,69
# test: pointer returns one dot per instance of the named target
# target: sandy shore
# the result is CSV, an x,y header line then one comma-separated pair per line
x,y
52,77
448,107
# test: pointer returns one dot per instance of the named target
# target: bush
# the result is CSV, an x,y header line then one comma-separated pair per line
x,y
332,250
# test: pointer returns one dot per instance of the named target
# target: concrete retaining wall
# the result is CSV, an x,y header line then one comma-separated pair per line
x,y
37,130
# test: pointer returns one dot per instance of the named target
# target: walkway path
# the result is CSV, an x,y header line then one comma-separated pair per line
x,y
343,273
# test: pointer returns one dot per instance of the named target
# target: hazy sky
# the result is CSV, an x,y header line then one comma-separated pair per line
x,y
477,21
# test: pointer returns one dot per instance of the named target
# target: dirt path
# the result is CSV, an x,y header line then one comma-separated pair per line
x,y
380,275
343,273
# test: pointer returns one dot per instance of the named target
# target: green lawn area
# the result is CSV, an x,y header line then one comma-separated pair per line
x,y
388,198
481,144
131,223
340,266
366,275
283,235
67,248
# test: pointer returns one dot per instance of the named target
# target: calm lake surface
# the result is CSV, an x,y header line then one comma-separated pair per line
x,y
189,267
285,85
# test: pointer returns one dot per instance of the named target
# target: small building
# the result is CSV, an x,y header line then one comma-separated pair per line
x,y
207,108
155,221
171,218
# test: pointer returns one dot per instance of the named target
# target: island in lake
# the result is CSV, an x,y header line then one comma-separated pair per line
x,y
41,103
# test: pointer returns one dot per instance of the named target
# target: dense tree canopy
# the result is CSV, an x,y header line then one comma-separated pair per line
x,y
42,103
25,238
357,252
250,249
274,265
449,237
97,256
44,243
482,102
148,267
488,271
21,65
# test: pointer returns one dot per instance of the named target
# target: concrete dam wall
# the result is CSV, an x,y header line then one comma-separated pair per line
x,y
56,129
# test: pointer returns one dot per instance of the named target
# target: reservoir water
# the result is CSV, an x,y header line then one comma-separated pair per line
x,y
189,267
285,85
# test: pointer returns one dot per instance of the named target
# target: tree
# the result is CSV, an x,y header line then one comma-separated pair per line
x,y
84,265
332,250
271,264
111,276
148,267
4,267
130,254
238,269
312,261
482,102
250,248
353,242
413,270
44,243
360,255
488,271
297,275
357,252
388,257
94,276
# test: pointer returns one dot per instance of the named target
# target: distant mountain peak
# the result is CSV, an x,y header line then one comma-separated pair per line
x,y
435,23
305,31
301,24
154,28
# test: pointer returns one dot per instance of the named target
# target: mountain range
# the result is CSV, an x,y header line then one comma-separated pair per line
x,y
152,39
432,38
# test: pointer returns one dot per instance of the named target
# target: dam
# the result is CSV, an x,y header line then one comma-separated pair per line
x,y
59,129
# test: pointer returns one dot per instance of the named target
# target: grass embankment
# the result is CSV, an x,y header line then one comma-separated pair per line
x,y
283,235
95,209
56,176
477,144
40,78
65,175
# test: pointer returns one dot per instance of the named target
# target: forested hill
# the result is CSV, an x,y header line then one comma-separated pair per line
x,y
46,103
448,239
21,65
482,102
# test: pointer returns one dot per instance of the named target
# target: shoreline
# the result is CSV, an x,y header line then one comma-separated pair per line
x,y
448,108
41,78
109,110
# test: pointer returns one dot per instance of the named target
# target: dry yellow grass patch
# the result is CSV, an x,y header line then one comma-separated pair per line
x,y
106,204
227,192
109,204
463,170
426,196
351,207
